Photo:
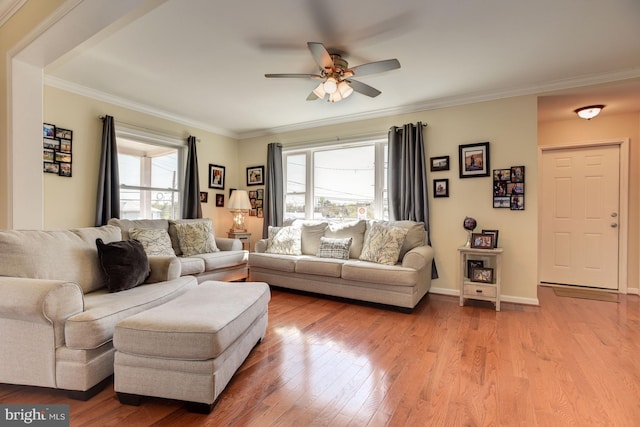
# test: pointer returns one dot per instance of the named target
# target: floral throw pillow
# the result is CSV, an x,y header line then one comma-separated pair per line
x,y
382,244
284,240
196,238
334,248
156,242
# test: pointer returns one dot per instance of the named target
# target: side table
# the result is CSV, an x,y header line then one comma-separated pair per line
x,y
243,236
482,287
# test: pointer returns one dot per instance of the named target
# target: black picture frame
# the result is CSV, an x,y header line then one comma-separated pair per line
x,y
481,241
517,174
474,160
65,169
53,168
441,188
64,133
48,130
482,275
495,236
440,163
204,197
255,175
517,202
216,176
219,200
473,263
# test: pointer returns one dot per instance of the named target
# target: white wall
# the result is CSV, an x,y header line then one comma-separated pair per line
x,y
510,126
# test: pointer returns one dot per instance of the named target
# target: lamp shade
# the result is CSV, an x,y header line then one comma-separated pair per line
x,y
239,201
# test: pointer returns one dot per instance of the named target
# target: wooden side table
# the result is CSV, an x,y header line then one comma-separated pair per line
x,y
243,236
477,289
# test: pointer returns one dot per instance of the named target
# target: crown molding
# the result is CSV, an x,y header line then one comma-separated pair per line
x,y
8,8
131,105
432,104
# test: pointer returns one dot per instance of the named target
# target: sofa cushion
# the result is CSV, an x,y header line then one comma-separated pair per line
x,y
124,263
416,234
156,242
382,244
222,259
369,272
94,326
334,248
196,238
284,240
310,238
69,255
327,267
285,263
173,233
126,224
353,229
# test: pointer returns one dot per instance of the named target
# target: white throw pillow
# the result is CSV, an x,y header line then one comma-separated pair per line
x,y
382,244
156,242
334,248
284,240
196,238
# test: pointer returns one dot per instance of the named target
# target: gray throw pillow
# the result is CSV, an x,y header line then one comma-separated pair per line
x,y
124,263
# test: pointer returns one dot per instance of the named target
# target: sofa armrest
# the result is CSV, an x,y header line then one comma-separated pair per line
x,y
164,268
418,258
226,244
49,302
261,245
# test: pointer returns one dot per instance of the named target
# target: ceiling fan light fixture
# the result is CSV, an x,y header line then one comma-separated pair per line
x,y
319,91
331,85
335,96
589,112
344,89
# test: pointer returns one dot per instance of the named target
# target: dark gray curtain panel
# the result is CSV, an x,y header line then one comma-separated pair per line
x,y
191,207
273,209
407,178
108,202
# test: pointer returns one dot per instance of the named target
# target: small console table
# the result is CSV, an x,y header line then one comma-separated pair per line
x,y
243,236
483,286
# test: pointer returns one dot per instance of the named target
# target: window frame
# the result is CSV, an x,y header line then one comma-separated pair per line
x,y
378,141
159,140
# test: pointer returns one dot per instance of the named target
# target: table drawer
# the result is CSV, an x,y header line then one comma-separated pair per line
x,y
480,290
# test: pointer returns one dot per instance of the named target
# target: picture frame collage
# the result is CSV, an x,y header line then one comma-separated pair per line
x,y
57,146
440,186
256,198
509,188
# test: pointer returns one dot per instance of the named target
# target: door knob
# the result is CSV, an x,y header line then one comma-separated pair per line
x,y
614,225
614,214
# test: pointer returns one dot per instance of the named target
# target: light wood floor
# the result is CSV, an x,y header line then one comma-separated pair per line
x,y
569,362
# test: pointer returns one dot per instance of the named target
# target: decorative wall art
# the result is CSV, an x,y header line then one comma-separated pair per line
x,y
216,176
474,160
255,175
440,188
508,188
439,163
256,198
56,150
204,197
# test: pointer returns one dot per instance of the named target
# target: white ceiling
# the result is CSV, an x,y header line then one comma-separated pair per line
x,y
203,62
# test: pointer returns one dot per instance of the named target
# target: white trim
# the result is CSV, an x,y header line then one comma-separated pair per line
x,y
623,215
8,11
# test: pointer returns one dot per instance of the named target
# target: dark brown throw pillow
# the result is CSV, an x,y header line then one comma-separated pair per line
x,y
124,263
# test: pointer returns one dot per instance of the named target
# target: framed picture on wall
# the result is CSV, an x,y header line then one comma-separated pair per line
x,y
440,188
474,160
216,176
439,163
255,175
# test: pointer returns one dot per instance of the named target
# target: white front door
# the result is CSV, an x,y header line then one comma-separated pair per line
x,y
580,216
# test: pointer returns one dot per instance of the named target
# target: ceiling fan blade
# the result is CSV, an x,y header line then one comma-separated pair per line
x,y
321,55
364,88
293,76
375,67
312,97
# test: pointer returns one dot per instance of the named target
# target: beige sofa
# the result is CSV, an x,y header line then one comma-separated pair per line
x,y
227,264
402,282
57,318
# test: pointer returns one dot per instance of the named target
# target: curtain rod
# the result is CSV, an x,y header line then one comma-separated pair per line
x,y
155,131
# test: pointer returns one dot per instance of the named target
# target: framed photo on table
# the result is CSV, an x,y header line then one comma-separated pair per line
x,y
481,241
482,275
474,160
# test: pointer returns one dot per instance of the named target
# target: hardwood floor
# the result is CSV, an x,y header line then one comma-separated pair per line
x,y
569,362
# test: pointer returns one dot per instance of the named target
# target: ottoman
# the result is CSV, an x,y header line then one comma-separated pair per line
x,y
189,348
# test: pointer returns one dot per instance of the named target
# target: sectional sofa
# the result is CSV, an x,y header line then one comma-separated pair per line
x,y
387,263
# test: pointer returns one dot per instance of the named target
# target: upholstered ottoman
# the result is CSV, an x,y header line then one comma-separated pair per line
x,y
189,348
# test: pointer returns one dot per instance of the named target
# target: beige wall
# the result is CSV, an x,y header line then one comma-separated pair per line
x,y
607,127
510,126
71,202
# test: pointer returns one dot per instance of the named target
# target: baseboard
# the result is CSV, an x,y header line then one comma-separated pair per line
x,y
503,298
633,291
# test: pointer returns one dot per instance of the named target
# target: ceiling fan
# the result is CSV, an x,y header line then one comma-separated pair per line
x,y
335,75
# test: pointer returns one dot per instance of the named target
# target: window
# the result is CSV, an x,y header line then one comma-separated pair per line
x,y
150,171
346,181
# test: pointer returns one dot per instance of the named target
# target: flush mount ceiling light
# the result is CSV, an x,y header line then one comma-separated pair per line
x,y
589,112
